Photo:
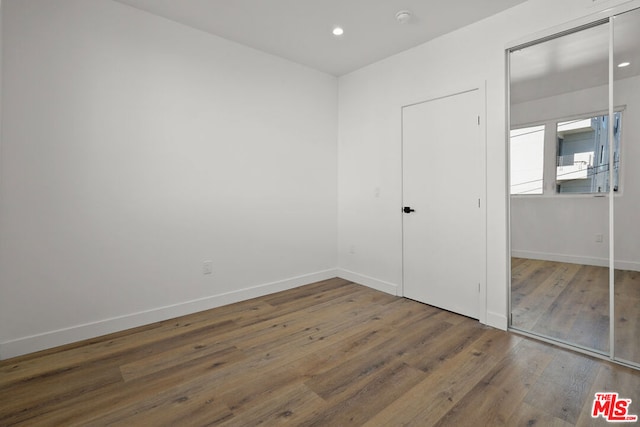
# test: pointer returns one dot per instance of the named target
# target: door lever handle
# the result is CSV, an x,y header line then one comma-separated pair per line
x,y
407,209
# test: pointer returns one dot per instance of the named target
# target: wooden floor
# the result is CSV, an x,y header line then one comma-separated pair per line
x,y
328,354
571,302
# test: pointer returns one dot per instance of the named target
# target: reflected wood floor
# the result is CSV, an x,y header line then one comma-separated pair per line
x,y
571,302
331,353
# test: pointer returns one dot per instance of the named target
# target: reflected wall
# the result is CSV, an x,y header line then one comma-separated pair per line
x,y
572,179
626,50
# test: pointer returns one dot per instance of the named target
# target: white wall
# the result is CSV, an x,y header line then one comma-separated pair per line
x,y
370,227
564,227
133,149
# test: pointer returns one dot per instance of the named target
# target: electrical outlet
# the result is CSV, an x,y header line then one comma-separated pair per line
x,y
599,238
207,267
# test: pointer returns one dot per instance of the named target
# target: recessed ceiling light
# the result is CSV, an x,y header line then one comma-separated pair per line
x,y
624,64
338,31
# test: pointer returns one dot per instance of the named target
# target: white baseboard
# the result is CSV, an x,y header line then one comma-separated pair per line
x,y
627,265
576,259
75,333
497,320
376,284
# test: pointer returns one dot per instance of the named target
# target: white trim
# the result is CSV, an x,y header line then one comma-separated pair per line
x,y
507,179
627,265
75,333
548,120
549,256
497,320
576,259
483,303
612,216
379,285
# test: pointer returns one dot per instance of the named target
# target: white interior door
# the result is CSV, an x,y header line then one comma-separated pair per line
x,y
443,185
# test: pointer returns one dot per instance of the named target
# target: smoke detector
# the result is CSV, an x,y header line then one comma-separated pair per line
x,y
403,16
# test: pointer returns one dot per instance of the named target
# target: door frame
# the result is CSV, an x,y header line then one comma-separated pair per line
x,y
479,86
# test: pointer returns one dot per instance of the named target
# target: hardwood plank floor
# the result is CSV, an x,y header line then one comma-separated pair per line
x,y
331,353
571,302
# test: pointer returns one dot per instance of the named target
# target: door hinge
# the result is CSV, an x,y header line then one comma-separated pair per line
x,y
478,120
478,202
478,287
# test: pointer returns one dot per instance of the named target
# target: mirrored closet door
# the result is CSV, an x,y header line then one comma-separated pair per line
x,y
626,175
571,168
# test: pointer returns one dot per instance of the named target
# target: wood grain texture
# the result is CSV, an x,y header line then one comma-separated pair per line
x,y
332,353
570,302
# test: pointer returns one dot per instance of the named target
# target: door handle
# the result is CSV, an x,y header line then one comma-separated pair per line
x,y
407,209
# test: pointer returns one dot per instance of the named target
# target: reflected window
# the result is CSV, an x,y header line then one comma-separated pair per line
x,y
527,160
582,162
581,150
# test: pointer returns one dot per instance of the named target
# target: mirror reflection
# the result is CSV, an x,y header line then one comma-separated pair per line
x,y
559,168
570,166
626,61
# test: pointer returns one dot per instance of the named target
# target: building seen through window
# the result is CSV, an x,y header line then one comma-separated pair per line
x,y
581,151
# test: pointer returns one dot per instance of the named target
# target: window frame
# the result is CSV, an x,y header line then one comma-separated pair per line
x,y
550,152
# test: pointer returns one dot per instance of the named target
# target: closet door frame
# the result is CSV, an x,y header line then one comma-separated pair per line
x,y
603,17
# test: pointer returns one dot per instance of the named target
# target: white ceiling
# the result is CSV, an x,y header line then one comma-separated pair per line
x,y
300,30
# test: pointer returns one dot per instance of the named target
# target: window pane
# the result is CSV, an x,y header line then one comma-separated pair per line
x,y
527,160
583,155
